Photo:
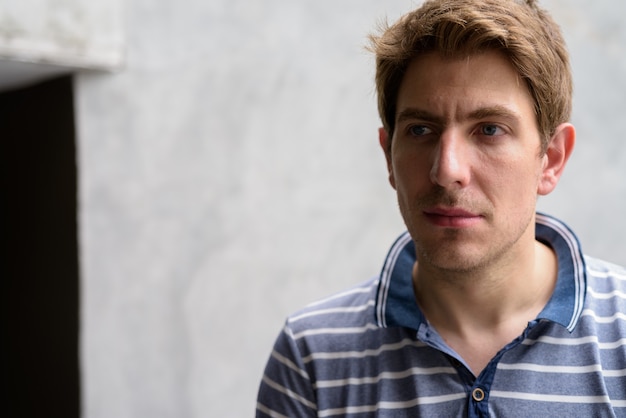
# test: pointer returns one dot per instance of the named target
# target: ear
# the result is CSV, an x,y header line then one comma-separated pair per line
x,y
559,150
385,144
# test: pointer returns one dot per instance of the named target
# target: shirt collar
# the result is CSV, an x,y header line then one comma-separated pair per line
x,y
395,300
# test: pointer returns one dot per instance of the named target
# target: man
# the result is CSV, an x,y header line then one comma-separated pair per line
x,y
481,308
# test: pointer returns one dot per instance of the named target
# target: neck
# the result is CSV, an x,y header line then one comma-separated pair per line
x,y
483,296
478,312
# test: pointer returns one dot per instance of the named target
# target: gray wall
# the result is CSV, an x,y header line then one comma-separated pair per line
x,y
230,173
592,194
40,39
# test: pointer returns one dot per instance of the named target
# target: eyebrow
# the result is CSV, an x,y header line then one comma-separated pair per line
x,y
498,111
494,111
414,113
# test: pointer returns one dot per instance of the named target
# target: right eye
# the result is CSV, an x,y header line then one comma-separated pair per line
x,y
419,130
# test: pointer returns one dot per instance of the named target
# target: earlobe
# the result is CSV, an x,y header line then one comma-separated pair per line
x,y
556,157
385,144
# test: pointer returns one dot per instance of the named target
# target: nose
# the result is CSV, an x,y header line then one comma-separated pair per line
x,y
451,167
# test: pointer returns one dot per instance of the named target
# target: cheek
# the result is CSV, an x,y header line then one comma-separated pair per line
x,y
410,173
512,183
528,185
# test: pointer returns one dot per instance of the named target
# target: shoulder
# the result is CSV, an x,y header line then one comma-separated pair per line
x,y
343,328
603,274
353,307
606,293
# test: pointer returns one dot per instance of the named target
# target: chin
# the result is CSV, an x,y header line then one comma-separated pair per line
x,y
446,259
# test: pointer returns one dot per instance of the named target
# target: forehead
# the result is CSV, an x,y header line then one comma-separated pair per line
x,y
453,84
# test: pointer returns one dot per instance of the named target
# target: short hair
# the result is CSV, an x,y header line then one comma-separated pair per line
x,y
525,33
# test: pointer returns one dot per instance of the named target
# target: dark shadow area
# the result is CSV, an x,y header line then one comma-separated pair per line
x,y
39,252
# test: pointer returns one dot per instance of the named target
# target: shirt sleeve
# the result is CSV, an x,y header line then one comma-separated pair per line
x,y
286,389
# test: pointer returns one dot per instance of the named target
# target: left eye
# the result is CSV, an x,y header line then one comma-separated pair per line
x,y
490,130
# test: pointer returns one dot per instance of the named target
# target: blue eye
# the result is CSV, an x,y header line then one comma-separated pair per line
x,y
419,130
491,130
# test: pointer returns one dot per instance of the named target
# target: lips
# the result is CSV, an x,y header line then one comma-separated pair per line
x,y
452,217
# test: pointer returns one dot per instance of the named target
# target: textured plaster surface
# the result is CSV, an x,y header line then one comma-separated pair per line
x,y
40,39
231,174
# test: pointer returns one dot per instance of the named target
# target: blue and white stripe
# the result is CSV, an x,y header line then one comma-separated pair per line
x,y
358,354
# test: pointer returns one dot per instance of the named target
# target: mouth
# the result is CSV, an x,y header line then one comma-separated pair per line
x,y
452,217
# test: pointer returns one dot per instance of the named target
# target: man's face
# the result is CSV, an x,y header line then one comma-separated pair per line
x,y
465,160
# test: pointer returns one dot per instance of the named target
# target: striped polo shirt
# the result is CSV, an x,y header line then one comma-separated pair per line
x,y
370,352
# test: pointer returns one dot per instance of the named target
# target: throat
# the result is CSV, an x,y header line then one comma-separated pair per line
x,y
478,349
477,317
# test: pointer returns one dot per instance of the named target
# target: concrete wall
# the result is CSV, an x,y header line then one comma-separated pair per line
x,y
591,196
230,173
44,38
